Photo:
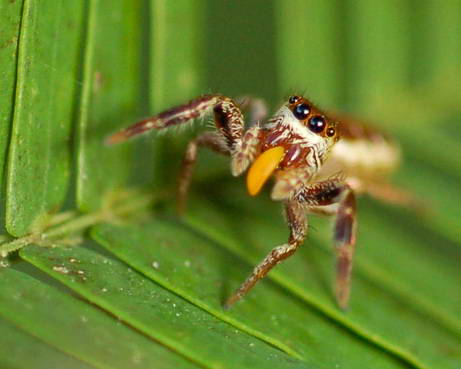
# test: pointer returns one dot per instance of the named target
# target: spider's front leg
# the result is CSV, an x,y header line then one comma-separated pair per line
x,y
230,138
296,218
228,119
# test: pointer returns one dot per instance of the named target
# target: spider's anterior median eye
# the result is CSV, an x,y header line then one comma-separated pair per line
x,y
301,111
317,124
293,99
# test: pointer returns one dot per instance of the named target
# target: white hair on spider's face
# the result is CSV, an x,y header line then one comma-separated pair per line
x,y
299,123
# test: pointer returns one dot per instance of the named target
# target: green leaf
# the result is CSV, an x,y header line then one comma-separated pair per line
x,y
75,327
205,274
393,239
156,312
112,79
173,80
239,49
47,74
10,18
22,351
250,233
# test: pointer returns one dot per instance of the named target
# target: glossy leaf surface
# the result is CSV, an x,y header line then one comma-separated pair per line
x,y
157,312
47,88
76,328
10,18
205,274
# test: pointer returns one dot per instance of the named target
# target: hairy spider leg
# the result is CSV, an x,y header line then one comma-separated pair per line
x,y
228,119
297,222
230,138
344,237
210,140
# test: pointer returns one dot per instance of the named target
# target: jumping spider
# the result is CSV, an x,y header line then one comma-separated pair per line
x,y
293,146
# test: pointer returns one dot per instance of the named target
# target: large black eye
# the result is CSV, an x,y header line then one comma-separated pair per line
x,y
317,124
293,99
301,111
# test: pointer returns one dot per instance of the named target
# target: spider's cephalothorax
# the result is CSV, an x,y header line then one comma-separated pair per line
x,y
297,148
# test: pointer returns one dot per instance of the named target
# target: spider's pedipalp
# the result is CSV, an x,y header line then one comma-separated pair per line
x,y
249,148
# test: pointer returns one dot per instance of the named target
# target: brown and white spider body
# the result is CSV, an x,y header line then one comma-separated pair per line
x,y
298,146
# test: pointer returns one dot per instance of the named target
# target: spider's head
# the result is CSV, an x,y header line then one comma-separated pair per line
x,y
300,124
310,123
299,135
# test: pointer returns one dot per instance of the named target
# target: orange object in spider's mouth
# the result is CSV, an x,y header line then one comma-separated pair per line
x,y
262,168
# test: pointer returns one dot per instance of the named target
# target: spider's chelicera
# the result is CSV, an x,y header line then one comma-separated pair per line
x,y
292,147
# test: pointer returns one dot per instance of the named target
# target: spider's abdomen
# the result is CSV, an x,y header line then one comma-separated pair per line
x,y
362,152
362,158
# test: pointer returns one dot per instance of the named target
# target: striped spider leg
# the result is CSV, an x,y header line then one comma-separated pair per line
x,y
230,137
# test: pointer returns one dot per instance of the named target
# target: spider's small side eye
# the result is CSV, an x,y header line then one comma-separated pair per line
x,y
331,132
293,99
301,111
317,124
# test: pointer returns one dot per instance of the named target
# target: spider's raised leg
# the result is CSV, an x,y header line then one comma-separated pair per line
x,y
229,139
335,197
228,119
297,222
